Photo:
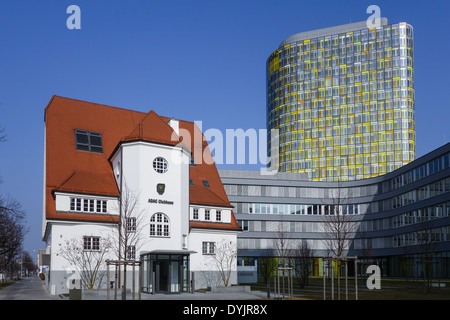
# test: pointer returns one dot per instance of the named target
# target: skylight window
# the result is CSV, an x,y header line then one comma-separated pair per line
x,y
88,141
206,183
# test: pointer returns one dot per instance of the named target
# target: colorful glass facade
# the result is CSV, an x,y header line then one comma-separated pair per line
x,y
342,99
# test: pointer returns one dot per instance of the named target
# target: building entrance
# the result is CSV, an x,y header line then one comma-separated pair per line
x,y
162,276
165,272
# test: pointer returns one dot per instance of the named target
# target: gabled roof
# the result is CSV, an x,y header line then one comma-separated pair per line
x,y
90,182
74,171
153,128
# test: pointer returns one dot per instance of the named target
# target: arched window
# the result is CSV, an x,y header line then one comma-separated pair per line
x,y
159,225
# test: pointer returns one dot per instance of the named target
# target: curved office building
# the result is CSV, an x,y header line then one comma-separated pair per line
x,y
342,100
398,219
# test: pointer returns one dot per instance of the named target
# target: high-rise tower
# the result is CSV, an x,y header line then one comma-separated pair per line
x,y
342,99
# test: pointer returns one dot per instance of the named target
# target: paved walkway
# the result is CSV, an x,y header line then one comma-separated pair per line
x,y
30,288
189,296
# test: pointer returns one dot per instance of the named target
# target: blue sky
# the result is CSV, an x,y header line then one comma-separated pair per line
x,y
193,60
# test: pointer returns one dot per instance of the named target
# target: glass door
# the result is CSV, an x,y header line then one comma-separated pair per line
x,y
165,273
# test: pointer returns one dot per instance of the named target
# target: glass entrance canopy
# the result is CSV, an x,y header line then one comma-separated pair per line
x,y
165,271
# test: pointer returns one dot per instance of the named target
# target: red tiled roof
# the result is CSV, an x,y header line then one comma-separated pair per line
x,y
71,170
153,128
215,225
51,212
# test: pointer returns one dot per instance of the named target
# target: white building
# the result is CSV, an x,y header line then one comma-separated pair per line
x,y
172,200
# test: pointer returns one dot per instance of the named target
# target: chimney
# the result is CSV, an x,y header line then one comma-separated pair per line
x,y
175,126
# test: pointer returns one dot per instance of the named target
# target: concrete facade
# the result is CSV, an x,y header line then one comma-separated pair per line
x,y
392,214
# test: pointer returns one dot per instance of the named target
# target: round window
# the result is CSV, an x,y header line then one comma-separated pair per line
x,y
160,165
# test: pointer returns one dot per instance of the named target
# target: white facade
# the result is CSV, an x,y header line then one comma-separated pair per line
x,y
59,237
141,179
158,176
203,264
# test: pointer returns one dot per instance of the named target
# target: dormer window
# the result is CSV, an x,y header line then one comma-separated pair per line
x,y
88,205
88,141
195,214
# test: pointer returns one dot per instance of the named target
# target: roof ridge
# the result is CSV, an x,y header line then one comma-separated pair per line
x,y
140,128
96,103
120,108
226,202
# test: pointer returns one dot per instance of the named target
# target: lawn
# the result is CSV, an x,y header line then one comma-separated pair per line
x,y
6,284
391,289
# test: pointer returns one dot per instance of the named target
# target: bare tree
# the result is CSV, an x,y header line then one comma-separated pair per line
x,y
282,245
283,250
224,258
211,279
338,225
27,262
427,238
87,258
128,236
303,262
267,265
365,256
12,231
